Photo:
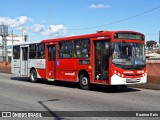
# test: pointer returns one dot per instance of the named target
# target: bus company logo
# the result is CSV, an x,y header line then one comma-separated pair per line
x,y
128,72
70,74
40,63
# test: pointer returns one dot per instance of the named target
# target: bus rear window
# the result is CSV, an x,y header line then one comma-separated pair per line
x,y
16,52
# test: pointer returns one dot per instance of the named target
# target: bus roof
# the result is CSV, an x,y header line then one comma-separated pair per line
x,y
97,34
29,42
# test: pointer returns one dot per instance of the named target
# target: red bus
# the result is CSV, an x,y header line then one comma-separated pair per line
x,y
104,57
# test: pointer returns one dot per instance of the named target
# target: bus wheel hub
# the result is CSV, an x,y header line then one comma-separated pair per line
x,y
84,81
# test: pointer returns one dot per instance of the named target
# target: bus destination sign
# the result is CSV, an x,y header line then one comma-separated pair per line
x,y
128,36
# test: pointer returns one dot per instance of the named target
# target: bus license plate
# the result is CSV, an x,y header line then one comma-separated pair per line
x,y
132,80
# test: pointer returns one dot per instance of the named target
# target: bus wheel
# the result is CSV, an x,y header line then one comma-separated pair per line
x,y
33,76
84,81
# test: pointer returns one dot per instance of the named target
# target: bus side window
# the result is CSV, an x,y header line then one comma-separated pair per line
x,y
82,48
41,48
60,50
65,49
16,52
25,53
32,51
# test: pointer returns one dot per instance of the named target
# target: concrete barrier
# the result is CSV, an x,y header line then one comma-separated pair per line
x,y
153,71
5,67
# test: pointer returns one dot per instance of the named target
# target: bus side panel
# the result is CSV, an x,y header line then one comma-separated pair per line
x,y
39,65
65,70
41,73
68,69
16,66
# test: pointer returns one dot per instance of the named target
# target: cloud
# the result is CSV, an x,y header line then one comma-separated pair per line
x,y
99,6
52,30
17,22
37,28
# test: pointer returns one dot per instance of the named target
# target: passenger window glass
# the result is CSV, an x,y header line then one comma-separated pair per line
x,y
16,52
41,48
51,53
65,49
32,51
82,48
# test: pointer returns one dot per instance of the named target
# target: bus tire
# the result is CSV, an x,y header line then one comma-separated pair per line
x,y
84,81
33,76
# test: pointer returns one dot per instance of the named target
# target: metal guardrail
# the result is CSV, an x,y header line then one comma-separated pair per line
x,y
2,58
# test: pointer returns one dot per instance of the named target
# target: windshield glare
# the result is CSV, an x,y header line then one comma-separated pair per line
x,y
128,53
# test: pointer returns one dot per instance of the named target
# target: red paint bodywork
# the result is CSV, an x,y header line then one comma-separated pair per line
x,y
68,69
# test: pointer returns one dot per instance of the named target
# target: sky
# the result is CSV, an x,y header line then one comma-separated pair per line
x,y
45,19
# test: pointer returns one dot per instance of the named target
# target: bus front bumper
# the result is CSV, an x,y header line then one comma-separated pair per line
x,y
117,80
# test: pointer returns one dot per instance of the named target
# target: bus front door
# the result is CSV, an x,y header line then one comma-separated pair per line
x,y
24,61
50,62
101,60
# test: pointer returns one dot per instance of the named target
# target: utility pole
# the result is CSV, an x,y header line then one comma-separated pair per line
x,y
12,38
159,37
4,34
24,35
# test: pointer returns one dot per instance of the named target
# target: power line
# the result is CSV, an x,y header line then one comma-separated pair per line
x,y
115,22
118,20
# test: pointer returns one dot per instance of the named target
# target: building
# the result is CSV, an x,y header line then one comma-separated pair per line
x,y
16,39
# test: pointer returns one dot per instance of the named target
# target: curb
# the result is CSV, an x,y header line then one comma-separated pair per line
x,y
3,71
151,86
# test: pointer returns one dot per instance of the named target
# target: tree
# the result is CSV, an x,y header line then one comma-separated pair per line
x,y
151,43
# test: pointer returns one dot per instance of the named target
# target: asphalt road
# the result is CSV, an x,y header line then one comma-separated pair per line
x,y
21,95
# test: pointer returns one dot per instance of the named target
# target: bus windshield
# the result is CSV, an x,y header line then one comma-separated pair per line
x,y
128,55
